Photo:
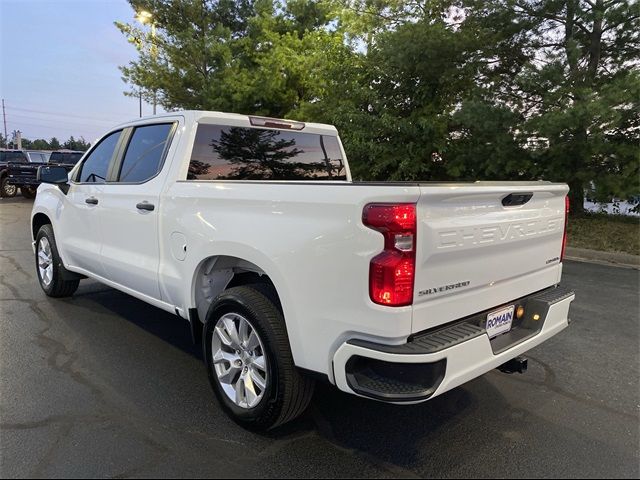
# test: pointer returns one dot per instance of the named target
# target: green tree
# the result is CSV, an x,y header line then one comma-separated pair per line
x,y
395,100
40,144
249,57
54,144
76,144
574,93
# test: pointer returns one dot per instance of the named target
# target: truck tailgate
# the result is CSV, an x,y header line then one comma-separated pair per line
x,y
474,253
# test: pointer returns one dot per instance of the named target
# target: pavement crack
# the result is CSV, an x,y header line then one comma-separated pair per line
x,y
52,420
14,291
50,455
212,437
14,263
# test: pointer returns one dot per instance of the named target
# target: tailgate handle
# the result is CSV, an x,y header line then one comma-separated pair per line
x,y
515,199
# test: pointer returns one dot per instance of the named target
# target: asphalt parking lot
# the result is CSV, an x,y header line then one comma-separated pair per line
x,y
103,385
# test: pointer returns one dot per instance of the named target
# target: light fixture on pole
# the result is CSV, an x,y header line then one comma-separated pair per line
x,y
143,16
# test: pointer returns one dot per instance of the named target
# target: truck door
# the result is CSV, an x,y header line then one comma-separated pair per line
x,y
130,246
79,230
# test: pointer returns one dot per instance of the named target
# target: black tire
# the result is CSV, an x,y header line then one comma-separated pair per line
x,y
63,283
6,190
29,192
288,392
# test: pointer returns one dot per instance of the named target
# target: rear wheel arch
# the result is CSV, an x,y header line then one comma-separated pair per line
x,y
216,274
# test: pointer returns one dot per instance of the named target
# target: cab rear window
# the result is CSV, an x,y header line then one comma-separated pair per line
x,y
65,158
239,153
13,157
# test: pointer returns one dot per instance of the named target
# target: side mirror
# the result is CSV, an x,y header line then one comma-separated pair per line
x,y
54,174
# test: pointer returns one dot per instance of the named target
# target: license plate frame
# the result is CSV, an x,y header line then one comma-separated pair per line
x,y
500,321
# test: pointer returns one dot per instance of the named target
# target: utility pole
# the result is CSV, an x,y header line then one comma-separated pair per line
x,y
140,98
4,116
145,17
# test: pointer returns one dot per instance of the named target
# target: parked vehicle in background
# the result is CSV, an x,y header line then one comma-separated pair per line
x,y
252,230
6,155
26,174
65,157
17,158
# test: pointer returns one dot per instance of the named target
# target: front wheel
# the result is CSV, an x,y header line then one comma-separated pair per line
x,y
6,189
55,280
249,360
29,192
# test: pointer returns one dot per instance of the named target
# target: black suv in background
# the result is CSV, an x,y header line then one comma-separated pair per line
x,y
31,158
65,157
25,175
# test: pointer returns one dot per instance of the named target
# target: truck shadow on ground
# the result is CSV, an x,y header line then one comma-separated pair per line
x,y
165,326
387,432
389,436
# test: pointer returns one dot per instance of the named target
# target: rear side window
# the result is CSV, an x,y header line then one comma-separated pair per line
x,y
65,158
95,167
145,152
37,157
17,156
239,153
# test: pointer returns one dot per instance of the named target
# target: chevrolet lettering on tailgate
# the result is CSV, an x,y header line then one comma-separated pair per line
x,y
498,233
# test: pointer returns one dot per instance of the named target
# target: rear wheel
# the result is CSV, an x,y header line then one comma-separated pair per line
x,y
28,192
7,190
249,360
55,280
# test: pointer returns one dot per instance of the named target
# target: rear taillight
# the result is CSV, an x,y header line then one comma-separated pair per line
x,y
566,220
392,272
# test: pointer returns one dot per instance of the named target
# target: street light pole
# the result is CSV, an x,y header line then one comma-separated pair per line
x,y
154,55
147,17
4,117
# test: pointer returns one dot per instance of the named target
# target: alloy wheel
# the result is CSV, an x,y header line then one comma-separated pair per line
x,y
239,360
45,261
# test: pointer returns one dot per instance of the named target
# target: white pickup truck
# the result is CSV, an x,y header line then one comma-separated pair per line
x,y
252,230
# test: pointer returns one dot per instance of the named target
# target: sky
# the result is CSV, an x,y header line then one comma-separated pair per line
x,y
59,67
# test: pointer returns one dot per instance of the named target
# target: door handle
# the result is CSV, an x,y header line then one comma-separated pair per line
x,y
91,201
145,206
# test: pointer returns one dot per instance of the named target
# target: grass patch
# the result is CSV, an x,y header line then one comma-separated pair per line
x,y
600,231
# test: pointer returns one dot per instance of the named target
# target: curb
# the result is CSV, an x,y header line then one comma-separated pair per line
x,y
608,258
